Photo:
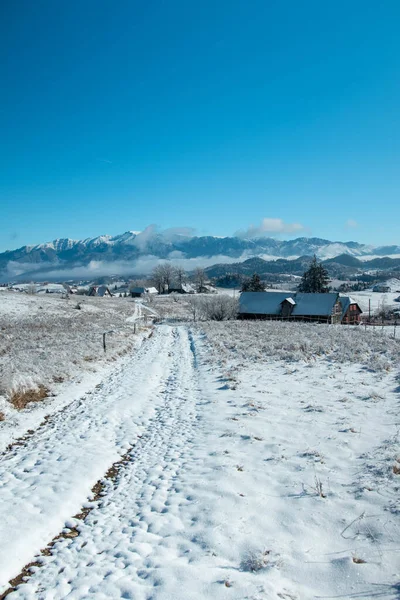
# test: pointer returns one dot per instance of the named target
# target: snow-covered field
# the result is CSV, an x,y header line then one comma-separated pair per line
x,y
378,300
47,341
261,461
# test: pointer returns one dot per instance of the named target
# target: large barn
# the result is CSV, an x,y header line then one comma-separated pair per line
x,y
321,308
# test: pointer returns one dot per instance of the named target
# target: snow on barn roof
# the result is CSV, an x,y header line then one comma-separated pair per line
x,y
290,300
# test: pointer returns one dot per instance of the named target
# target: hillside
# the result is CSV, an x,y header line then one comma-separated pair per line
x,y
341,266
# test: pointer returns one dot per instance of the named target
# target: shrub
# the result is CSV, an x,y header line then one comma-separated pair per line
x,y
21,397
214,308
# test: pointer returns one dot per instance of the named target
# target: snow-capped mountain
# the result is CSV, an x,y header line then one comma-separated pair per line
x,y
134,251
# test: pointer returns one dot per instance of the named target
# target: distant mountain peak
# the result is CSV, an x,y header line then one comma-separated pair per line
x,y
132,249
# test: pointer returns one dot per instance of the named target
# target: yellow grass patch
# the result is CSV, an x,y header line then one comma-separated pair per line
x,y
21,397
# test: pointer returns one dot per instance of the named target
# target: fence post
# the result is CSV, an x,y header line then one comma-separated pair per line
x,y
104,342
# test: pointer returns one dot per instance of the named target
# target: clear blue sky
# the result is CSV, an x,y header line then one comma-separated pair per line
x,y
212,114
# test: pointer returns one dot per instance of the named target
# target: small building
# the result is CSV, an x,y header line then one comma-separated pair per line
x,y
138,291
206,288
383,288
320,308
181,288
99,290
152,290
351,311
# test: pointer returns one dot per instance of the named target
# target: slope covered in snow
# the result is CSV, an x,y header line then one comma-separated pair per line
x,y
261,462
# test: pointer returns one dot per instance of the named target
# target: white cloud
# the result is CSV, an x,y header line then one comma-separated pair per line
x,y
351,224
270,226
143,238
96,268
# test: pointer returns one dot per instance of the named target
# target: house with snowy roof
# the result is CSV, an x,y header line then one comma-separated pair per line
x,y
181,288
99,290
321,308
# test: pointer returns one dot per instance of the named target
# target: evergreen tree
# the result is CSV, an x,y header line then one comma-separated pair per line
x,y
254,284
315,280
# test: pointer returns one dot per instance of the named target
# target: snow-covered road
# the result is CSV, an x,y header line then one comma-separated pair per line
x,y
148,403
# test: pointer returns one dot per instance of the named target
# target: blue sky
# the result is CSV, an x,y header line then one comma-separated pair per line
x,y
211,115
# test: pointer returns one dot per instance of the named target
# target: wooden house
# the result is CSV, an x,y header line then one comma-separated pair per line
x,y
181,288
138,291
351,311
99,290
320,308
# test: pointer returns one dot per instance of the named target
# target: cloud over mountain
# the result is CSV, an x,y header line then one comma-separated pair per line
x,y
270,226
137,253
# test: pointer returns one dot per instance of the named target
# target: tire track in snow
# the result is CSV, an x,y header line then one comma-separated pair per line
x,y
46,481
134,517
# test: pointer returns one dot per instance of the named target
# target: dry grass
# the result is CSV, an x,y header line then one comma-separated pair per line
x,y
45,341
2,416
359,561
22,397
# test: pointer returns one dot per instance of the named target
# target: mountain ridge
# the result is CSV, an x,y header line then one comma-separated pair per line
x,y
137,250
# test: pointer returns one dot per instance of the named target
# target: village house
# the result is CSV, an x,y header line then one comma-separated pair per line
x,y
137,291
321,308
206,288
152,291
181,288
351,311
99,290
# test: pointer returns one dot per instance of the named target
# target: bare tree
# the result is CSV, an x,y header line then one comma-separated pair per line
x,y
180,275
199,277
31,289
163,275
214,308
195,307
158,278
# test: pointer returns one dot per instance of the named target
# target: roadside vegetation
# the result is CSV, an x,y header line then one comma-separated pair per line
x,y
46,340
250,341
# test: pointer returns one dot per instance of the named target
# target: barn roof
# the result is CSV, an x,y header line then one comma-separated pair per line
x,y
270,303
320,305
102,290
138,290
261,303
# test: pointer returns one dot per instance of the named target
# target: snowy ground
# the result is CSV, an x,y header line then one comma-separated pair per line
x,y
262,463
46,341
379,300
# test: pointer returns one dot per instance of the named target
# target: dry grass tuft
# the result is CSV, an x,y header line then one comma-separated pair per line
x,y
359,561
2,416
20,398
